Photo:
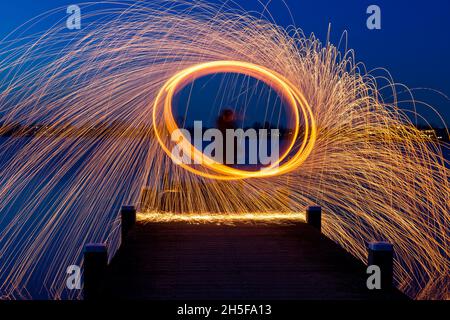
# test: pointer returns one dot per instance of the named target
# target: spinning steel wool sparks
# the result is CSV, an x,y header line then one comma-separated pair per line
x,y
227,173
102,100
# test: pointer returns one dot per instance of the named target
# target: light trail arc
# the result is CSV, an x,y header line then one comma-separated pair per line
x,y
296,101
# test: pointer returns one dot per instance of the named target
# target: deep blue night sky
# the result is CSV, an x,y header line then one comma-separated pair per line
x,y
413,44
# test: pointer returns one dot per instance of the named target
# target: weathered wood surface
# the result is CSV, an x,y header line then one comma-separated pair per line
x,y
183,261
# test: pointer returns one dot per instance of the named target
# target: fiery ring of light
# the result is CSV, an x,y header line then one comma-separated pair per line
x,y
295,100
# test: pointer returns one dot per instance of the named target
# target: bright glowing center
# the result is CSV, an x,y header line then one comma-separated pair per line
x,y
213,169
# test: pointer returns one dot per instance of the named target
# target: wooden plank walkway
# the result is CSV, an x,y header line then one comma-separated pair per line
x,y
178,261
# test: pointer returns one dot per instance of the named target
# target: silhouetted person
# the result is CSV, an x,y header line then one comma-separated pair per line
x,y
225,121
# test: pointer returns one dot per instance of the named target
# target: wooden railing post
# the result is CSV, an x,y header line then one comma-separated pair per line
x,y
314,217
95,263
128,217
381,254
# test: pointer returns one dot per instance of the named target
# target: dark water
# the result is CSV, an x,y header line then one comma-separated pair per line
x,y
446,152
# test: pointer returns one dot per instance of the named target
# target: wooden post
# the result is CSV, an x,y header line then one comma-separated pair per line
x,y
95,263
128,216
314,217
381,254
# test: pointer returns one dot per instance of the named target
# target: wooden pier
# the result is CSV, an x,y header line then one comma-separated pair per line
x,y
181,261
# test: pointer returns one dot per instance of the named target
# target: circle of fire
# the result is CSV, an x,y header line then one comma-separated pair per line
x,y
294,98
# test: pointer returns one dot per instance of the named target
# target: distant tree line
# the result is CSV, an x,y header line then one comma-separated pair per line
x,y
122,129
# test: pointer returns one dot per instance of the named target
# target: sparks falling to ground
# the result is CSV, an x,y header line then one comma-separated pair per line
x,y
373,173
